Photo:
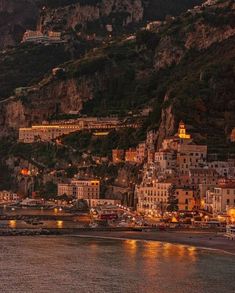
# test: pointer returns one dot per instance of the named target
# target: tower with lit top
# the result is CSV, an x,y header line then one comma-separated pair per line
x,y
182,131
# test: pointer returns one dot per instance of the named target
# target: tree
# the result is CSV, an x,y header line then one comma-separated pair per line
x,y
147,38
49,190
172,204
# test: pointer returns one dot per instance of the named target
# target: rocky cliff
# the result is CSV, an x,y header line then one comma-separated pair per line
x,y
197,29
15,17
106,14
182,70
88,17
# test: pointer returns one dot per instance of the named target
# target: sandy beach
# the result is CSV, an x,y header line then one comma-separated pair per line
x,y
209,240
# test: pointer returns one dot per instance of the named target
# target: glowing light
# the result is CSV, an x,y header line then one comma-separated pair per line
x,y
25,172
174,220
12,224
59,224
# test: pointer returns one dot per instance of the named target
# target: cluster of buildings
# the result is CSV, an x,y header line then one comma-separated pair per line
x,y
88,190
8,197
38,37
180,173
136,155
50,131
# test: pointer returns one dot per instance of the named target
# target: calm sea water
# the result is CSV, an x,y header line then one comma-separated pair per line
x,y
73,264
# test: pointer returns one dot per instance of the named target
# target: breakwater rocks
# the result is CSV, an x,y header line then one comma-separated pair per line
x,y
28,232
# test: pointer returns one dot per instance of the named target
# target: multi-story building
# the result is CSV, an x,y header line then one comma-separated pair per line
x,y
153,197
87,189
39,37
223,168
186,198
221,198
205,176
47,132
190,156
141,152
81,189
8,196
66,189
131,155
118,156
165,160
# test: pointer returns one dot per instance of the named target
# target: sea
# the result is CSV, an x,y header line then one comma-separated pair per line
x,y
93,265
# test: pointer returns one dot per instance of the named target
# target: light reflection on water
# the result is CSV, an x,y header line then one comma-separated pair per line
x,y
73,264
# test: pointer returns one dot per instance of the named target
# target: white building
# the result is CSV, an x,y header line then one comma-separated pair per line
x,y
66,189
87,189
8,196
153,198
221,198
166,161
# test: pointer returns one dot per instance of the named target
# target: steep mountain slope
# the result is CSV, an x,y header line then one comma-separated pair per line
x,y
15,17
183,69
89,17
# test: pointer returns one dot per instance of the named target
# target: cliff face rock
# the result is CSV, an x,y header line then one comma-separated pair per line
x,y
97,17
167,124
70,16
15,17
168,53
53,97
205,36
204,30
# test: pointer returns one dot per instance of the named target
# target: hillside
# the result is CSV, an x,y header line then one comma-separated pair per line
x,y
179,69
183,69
86,17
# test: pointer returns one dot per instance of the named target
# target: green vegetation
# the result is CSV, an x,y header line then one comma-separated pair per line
x,y
45,155
48,191
85,142
158,9
61,3
27,64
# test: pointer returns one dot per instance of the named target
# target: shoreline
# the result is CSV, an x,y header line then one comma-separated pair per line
x,y
207,240
210,240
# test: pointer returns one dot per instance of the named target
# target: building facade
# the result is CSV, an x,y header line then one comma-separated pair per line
x,y
118,156
153,197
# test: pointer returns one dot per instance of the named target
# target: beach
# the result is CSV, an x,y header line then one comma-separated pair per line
x,y
199,239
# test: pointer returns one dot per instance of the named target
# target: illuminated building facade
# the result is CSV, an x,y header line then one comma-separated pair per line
x,y
48,132
153,197
118,156
87,189
182,131
131,156
186,199
221,198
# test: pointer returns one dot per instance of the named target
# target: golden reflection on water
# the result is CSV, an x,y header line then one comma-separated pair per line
x,y
12,224
152,250
131,246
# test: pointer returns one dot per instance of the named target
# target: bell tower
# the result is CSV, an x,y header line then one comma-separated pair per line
x,y
182,133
